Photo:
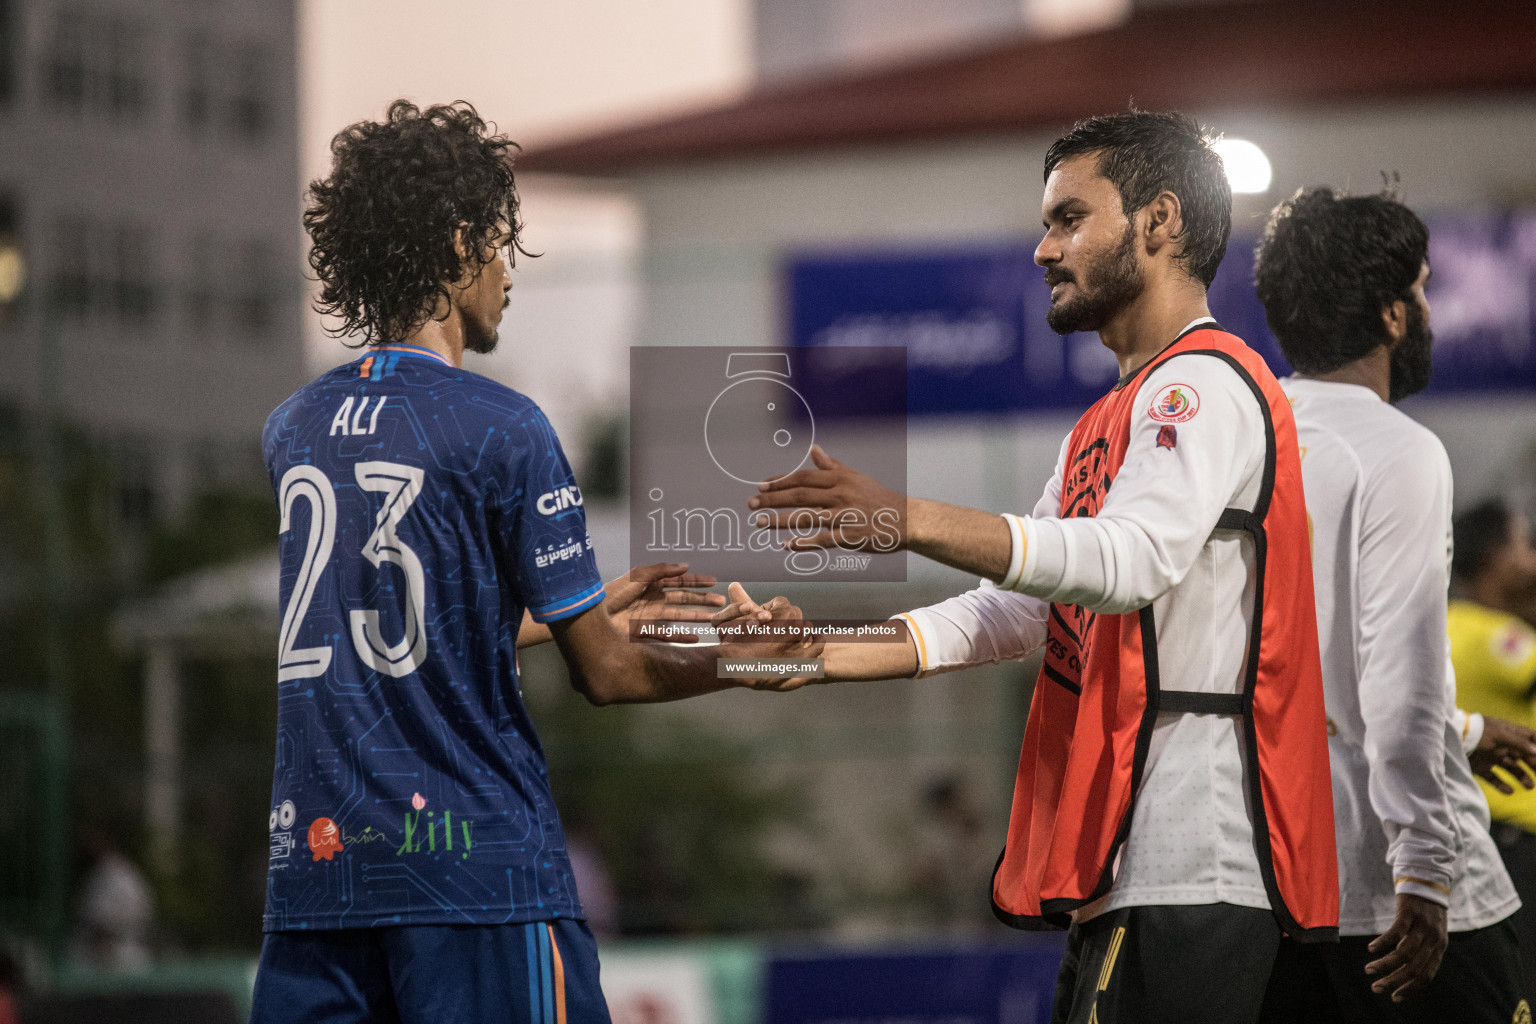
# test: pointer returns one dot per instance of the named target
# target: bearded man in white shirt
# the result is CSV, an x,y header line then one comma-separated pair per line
x,y
1342,281
1173,802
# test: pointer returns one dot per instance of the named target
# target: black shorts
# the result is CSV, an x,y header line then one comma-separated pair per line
x,y
1201,964
1480,980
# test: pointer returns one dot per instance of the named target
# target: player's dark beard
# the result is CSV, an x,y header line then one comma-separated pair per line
x,y
482,342
1411,359
1113,281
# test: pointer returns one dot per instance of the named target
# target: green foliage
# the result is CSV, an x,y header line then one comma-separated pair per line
x,y
57,611
214,897
605,448
229,731
58,556
218,526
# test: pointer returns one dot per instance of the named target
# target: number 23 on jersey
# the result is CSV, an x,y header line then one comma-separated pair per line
x,y
401,486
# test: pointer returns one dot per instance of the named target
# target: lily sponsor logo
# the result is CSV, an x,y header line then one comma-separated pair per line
x,y
428,831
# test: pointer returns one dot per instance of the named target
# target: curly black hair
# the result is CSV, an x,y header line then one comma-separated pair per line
x,y
1146,152
382,225
1327,266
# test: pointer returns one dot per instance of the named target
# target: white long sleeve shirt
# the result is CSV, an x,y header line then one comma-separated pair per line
x,y
1152,542
1409,817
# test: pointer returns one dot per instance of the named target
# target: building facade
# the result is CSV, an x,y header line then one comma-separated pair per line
x,y
150,177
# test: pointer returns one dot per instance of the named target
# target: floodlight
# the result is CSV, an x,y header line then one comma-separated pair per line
x,y
1247,167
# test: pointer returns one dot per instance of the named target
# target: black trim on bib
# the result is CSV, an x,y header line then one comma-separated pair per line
x,y
1189,702
1060,680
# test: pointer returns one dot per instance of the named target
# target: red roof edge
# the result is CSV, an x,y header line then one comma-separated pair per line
x,y
1193,56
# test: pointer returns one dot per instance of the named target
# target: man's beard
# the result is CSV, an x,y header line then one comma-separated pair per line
x,y
483,341
484,344
1113,281
1411,359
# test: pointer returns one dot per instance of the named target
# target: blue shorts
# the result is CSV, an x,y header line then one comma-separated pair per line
x,y
539,973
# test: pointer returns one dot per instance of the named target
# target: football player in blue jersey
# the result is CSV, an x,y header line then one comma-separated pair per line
x,y
430,525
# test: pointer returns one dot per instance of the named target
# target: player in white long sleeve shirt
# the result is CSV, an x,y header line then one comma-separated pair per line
x,y
1185,440
1343,280
1152,542
1379,493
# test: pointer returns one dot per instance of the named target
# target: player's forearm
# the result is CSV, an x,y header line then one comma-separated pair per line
x,y
649,673
675,673
1403,691
968,539
1403,708
980,627
851,662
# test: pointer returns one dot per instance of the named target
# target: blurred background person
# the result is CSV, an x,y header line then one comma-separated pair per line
x,y
115,916
1494,653
954,857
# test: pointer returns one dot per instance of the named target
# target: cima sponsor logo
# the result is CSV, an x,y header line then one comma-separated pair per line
x,y
558,500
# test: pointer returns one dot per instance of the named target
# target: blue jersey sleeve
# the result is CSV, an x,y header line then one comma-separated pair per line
x,y
545,527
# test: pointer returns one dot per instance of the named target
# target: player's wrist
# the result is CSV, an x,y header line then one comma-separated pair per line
x,y
1430,886
922,526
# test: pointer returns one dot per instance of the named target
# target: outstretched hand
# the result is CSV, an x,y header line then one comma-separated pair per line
x,y
663,590
1508,746
743,609
832,505
1413,946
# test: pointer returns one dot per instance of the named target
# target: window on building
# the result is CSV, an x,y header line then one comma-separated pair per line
x,y
201,293
71,290
64,61
103,270
132,283
197,97
255,301
93,63
250,101
228,86
125,68
8,43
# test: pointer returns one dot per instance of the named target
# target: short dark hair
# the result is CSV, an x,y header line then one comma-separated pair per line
x,y
382,225
1144,153
1326,267
1479,534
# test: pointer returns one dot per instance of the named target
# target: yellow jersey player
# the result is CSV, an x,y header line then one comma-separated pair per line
x,y
1494,652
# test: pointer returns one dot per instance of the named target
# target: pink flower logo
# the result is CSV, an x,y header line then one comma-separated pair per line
x,y
418,801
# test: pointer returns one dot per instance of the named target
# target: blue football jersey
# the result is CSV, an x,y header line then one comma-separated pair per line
x,y
424,507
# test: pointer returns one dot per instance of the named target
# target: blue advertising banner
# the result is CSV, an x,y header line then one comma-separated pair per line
x,y
990,985
973,320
